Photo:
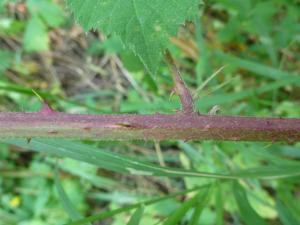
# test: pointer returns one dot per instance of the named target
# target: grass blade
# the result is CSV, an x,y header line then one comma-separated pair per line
x,y
65,201
107,160
86,173
123,164
287,203
177,216
136,217
219,205
203,66
194,155
234,97
203,199
203,85
110,213
270,172
248,214
257,68
285,216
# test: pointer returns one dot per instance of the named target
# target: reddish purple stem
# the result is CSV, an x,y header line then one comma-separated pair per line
x,y
180,86
148,127
188,125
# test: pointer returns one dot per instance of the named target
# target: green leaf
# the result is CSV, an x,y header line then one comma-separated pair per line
x,y
66,202
248,214
107,160
112,45
219,203
87,172
285,215
110,213
191,153
136,217
5,59
270,172
144,26
177,216
202,202
36,36
287,205
51,13
256,68
123,164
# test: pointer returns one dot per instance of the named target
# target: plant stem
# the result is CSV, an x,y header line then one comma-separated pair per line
x,y
180,86
147,127
188,125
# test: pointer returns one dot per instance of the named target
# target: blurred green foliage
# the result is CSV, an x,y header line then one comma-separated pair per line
x,y
41,48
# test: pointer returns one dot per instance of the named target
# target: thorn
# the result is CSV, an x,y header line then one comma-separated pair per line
x,y
28,140
46,109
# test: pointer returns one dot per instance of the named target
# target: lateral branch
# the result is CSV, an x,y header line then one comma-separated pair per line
x,y
180,86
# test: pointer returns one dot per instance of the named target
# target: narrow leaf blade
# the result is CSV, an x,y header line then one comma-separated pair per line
x,y
66,202
137,216
178,214
104,159
110,213
248,214
202,202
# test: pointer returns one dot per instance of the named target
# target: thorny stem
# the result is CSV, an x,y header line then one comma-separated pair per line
x,y
180,86
147,127
188,125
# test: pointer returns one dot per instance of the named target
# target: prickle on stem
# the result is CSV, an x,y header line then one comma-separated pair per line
x,y
45,109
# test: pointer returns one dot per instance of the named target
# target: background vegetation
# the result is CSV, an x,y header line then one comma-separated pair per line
x,y
238,58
